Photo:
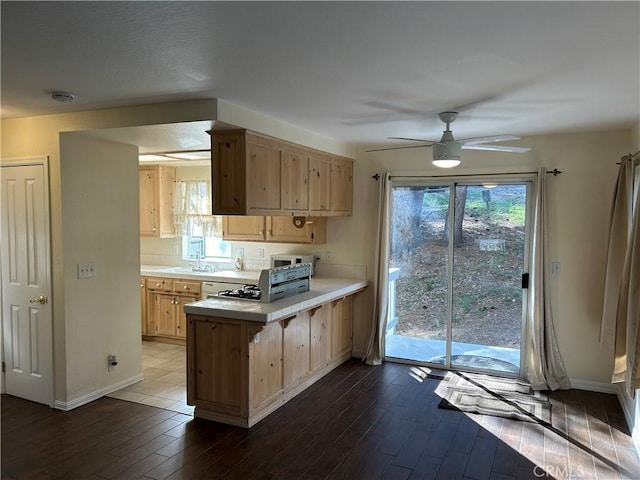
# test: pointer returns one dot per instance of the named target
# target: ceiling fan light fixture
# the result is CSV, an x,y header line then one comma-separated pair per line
x,y
446,155
446,162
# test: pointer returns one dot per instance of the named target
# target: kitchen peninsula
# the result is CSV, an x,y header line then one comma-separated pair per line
x,y
246,359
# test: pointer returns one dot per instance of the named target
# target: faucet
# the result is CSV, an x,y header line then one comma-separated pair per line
x,y
198,267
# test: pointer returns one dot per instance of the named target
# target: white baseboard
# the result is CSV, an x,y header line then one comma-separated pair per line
x,y
629,409
90,397
592,386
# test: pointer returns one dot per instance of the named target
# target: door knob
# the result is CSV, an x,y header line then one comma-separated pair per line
x,y
41,299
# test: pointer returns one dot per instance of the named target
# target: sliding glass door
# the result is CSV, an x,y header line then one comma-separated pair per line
x,y
458,259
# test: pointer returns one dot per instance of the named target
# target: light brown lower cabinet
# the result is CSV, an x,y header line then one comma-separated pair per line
x,y
164,300
240,371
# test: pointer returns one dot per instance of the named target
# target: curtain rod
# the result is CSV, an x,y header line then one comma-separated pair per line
x,y
629,156
555,172
632,156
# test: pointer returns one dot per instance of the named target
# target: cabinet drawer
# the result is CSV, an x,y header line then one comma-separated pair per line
x,y
159,284
186,287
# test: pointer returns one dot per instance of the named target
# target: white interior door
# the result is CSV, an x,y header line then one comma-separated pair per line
x,y
26,310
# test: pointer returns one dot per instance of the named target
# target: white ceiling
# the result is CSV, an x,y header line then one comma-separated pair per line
x,y
357,72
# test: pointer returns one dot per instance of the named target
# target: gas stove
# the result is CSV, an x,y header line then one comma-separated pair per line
x,y
247,292
274,284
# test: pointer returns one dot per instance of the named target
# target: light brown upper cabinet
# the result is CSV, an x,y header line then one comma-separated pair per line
x,y
254,174
244,228
156,201
275,229
330,185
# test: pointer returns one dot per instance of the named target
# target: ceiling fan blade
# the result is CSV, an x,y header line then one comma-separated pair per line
x,y
492,138
497,148
398,148
413,139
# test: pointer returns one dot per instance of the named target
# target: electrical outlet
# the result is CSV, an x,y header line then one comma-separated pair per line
x,y
174,249
328,257
241,252
86,270
261,253
555,268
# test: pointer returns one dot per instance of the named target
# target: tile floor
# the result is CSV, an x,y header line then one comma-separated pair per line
x,y
165,379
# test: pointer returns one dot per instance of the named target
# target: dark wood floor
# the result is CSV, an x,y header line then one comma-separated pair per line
x,y
359,422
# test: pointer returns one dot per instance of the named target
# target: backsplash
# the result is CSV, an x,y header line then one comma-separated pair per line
x,y
167,251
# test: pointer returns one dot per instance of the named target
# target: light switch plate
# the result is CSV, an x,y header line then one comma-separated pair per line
x,y
86,270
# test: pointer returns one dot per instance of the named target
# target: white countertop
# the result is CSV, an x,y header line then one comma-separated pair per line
x,y
322,290
233,276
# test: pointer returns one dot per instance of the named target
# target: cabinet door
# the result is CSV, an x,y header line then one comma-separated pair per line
x,y
294,172
282,229
216,360
295,350
239,227
228,170
319,184
320,339
148,201
341,186
166,182
181,317
341,327
263,178
265,366
165,314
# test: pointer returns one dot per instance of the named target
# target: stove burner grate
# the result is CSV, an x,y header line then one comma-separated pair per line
x,y
248,292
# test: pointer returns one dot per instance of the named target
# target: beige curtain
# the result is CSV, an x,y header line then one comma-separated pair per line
x,y
192,209
620,324
545,368
375,349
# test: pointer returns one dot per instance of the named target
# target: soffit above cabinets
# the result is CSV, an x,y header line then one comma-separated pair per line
x,y
186,143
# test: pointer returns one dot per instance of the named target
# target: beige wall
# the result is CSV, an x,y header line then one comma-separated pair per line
x,y
101,225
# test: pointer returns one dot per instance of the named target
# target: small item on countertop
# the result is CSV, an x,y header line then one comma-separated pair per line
x,y
238,264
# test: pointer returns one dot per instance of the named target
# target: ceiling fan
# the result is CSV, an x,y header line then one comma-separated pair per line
x,y
446,152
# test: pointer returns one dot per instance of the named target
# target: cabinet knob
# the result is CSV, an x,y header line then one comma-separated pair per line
x,y
186,287
158,284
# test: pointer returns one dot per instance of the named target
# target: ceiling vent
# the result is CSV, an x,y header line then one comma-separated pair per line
x,y
63,97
